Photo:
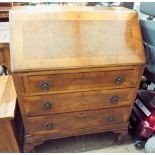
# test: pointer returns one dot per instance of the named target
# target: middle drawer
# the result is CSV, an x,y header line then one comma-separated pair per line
x,y
60,103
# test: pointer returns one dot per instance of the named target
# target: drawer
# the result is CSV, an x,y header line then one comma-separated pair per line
x,y
72,82
1,57
77,120
83,131
59,103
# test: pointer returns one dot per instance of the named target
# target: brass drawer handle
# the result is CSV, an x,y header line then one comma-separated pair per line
x,y
114,99
49,126
47,106
119,80
44,85
110,118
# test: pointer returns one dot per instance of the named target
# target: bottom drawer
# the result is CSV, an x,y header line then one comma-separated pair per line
x,y
58,123
45,136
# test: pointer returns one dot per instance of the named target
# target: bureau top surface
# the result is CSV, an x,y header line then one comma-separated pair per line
x,y
74,37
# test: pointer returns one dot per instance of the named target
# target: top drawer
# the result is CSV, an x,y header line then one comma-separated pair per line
x,y
72,82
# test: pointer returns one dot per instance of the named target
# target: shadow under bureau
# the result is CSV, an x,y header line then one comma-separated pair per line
x,y
76,69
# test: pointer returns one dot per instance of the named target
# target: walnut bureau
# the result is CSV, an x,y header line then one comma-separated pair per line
x,y
76,69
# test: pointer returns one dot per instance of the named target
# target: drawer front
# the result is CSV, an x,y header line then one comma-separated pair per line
x,y
59,103
83,131
1,57
80,81
72,121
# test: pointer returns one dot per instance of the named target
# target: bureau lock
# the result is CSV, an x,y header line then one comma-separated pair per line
x,y
119,80
47,105
114,99
110,118
49,126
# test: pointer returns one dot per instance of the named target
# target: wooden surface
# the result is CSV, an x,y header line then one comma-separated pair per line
x,y
66,103
7,97
8,143
77,120
61,103
80,81
90,37
96,129
72,58
3,80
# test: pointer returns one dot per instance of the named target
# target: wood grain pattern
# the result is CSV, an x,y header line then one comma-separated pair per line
x,y
77,120
61,103
97,129
99,45
8,143
75,54
8,140
80,81
8,97
79,70
3,81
